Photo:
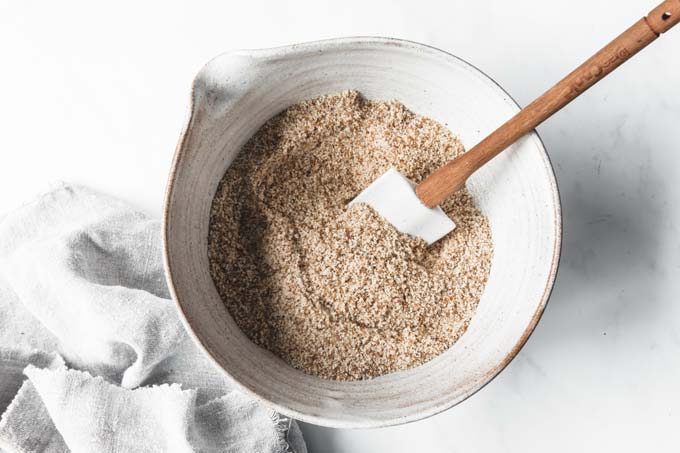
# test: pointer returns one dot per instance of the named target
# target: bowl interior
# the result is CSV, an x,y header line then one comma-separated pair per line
x,y
236,93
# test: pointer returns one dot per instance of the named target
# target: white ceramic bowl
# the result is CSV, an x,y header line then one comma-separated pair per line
x,y
237,92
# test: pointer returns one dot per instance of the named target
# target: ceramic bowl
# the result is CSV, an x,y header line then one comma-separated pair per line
x,y
234,94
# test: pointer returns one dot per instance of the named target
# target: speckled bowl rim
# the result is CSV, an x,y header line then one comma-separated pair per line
x,y
322,421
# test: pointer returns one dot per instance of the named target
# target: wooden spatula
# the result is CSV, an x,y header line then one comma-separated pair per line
x,y
415,211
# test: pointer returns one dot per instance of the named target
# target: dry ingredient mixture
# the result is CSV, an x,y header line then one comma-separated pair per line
x,y
333,290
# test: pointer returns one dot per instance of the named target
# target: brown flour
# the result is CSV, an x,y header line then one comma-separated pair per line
x,y
336,291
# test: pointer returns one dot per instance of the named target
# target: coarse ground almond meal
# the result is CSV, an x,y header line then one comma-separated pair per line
x,y
334,290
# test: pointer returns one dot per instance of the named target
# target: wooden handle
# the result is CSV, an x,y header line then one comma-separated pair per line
x,y
452,176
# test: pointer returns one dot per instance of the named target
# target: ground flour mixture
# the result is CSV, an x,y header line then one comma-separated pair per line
x,y
334,290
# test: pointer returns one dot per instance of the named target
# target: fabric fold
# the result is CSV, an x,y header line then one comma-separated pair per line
x,y
26,426
81,277
73,255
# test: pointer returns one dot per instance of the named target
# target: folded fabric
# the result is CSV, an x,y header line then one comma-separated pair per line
x,y
81,277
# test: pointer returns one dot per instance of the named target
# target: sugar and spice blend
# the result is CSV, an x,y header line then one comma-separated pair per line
x,y
334,290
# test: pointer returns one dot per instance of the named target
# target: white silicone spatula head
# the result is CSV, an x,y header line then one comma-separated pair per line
x,y
393,196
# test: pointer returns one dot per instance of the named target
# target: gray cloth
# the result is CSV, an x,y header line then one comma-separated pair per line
x,y
93,357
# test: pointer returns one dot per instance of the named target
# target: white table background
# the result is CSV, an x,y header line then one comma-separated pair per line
x,y
98,94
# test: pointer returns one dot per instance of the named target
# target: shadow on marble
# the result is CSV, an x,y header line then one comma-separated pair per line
x,y
615,221
320,439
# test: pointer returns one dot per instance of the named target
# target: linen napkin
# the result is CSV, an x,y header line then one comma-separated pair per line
x,y
93,357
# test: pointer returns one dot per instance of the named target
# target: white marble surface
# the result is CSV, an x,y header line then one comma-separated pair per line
x,y
97,95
